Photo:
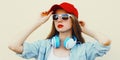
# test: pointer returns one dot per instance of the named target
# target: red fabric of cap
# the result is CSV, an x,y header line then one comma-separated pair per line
x,y
69,8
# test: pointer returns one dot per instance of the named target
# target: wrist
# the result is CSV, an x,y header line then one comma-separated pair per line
x,y
89,32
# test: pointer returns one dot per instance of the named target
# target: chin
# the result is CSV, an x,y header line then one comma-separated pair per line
x,y
63,30
60,31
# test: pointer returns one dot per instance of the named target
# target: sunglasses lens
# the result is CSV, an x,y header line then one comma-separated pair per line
x,y
65,16
55,17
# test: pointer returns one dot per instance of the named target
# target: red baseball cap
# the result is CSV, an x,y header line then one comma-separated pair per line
x,y
69,8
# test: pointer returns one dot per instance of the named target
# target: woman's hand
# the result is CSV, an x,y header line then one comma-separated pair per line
x,y
17,46
83,26
96,35
44,16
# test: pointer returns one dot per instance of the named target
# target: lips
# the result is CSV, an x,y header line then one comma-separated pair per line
x,y
60,26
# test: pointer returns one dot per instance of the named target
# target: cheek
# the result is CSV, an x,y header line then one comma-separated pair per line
x,y
68,24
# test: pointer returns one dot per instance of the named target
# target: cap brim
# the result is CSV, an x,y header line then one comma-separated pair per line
x,y
54,8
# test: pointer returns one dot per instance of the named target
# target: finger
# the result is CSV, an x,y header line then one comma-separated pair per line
x,y
45,13
50,13
42,13
82,23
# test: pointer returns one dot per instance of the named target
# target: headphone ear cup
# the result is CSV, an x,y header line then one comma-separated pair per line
x,y
69,43
56,42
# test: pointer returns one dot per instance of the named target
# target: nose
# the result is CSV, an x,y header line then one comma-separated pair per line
x,y
59,19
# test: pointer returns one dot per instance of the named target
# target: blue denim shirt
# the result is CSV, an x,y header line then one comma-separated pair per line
x,y
87,51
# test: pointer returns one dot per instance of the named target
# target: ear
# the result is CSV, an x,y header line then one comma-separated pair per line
x,y
81,23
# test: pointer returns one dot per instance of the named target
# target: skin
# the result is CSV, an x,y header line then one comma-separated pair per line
x,y
64,32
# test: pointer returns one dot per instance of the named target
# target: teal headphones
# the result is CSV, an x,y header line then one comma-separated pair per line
x,y
68,42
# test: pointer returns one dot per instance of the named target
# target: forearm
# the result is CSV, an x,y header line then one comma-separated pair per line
x,y
20,38
98,36
17,45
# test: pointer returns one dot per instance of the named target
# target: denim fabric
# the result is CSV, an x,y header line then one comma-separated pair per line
x,y
87,51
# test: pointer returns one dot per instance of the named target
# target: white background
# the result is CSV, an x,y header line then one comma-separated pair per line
x,y
16,15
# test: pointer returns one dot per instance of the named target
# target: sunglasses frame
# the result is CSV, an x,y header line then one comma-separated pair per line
x,y
62,16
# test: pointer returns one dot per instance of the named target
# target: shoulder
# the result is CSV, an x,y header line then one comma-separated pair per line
x,y
43,42
91,45
39,43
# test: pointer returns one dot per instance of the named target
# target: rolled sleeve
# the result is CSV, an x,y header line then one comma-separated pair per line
x,y
95,49
30,50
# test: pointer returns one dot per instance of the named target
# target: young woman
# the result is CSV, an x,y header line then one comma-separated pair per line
x,y
65,41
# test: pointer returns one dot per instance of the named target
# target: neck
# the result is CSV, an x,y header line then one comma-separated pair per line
x,y
63,36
